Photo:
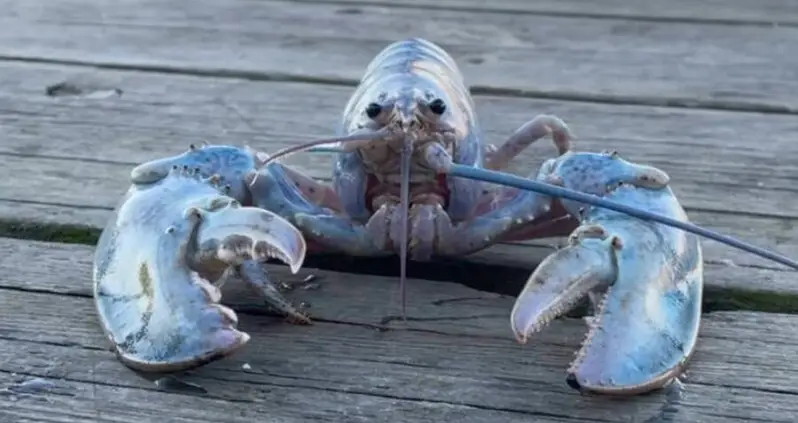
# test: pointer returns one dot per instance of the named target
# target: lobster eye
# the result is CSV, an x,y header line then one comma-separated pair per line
x,y
437,106
372,110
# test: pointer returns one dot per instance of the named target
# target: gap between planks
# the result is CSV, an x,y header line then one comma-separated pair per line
x,y
456,363
773,13
503,270
602,60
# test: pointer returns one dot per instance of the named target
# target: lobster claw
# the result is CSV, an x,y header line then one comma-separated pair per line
x,y
158,258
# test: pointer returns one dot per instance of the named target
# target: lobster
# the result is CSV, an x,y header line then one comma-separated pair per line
x,y
413,177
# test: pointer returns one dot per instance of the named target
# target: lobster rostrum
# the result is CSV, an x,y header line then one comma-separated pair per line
x,y
178,233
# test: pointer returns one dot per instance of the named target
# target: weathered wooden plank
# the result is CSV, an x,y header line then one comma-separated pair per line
x,y
328,381
84,391
347,368
742,12
570,57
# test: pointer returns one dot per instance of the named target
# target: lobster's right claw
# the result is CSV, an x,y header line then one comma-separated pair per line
x,y
236,234
245,237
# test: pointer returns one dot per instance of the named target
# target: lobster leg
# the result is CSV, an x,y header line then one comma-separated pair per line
x,y
504,210
272,189
254,273
553,223
561,215
230,164
497,158
524,208
312,190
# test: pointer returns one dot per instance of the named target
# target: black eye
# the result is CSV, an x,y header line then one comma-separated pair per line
x,y
437,106
372,110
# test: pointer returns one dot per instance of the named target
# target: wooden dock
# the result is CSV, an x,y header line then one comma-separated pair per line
x,y
88,88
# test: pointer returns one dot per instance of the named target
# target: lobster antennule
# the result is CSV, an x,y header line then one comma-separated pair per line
x,y
501,178
356,138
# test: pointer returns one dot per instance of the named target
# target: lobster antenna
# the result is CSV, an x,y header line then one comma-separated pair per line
x,y
325,150
234,108
356,138
404,204
501,178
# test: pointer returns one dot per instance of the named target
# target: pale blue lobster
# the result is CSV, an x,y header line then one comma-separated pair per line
x,y
410,179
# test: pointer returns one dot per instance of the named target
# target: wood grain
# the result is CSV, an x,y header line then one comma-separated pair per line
x,y
343,368
608,60
732,12
106,398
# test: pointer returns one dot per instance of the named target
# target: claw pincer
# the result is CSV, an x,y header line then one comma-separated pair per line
x,y
650,276
169,240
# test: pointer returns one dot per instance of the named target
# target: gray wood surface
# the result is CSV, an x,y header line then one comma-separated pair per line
x,y
637,77
609,60
344,369
729,12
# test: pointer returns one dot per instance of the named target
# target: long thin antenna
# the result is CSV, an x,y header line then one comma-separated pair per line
x,y
404,203
560,192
